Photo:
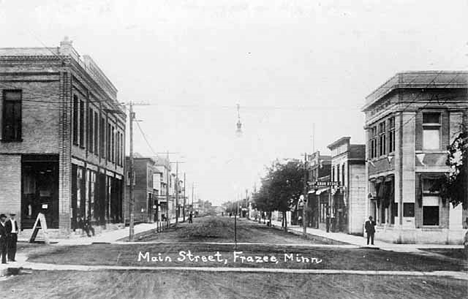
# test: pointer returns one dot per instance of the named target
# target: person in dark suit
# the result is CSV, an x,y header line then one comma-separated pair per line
x,y
3,238
12,235
370,230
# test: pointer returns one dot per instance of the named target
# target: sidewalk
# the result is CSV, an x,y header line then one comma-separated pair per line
x,y
361,241
104,237
107,236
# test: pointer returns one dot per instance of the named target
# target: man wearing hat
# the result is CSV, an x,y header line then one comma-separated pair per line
x,y
12,232
3,238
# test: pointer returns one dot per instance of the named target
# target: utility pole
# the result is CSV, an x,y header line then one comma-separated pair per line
x,y
235,225
183,210
131,178
304,214
131,174
177,193
193,188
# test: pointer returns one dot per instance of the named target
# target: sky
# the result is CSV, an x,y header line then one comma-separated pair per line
x,y
299,70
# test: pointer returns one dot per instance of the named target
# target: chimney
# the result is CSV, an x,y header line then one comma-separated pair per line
x,y
66,48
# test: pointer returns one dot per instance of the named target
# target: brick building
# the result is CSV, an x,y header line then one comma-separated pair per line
x,y
410,120
62,136
144,193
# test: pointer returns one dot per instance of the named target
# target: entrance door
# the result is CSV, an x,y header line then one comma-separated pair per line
x,y
40,192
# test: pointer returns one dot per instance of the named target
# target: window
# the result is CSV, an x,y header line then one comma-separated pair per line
x,y
12,119
373,142
430,201
108,142
96,133
343,175
408,209
82,126
112,144
431,210
431,131
91,130
382,139
76,109
337,173
391,135
102,137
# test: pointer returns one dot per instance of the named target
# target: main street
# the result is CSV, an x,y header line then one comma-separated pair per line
x,y
201,260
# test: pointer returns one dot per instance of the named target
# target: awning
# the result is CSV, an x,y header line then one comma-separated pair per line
x,y
321,190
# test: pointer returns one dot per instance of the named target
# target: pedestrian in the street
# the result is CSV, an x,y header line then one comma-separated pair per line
x,y
190,217
88,228
3,238
12,236
370,230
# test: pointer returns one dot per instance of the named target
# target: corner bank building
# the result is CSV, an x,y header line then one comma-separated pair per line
x,y
410,121
61,139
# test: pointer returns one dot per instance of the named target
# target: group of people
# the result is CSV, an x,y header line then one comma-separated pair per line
x,y
8,237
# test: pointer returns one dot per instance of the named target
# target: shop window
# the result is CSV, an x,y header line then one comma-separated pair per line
x,y
431,215
12,118
431,131
430,201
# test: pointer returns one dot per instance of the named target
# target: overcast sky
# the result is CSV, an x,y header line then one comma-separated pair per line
x,y
289,64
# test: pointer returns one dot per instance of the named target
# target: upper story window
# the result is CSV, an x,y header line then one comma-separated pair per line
x,y
431,131
82,124
382,139
373,142
75,119
391,135
12,118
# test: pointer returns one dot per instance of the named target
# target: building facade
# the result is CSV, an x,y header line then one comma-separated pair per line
x,y
62,136
163,168
144,193
348,200
319,167
410,121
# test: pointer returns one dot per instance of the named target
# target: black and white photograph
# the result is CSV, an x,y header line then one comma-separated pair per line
x,y
233,149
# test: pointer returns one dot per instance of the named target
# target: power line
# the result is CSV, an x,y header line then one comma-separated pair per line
x,y
146,139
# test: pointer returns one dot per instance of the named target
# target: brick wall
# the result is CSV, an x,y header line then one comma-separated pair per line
x,y
10,184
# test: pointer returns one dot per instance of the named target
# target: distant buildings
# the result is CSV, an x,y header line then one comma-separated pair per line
x,y
144,191
317,203
410,120
62,137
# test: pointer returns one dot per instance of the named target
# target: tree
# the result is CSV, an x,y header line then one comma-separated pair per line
x,y
281,188
454,186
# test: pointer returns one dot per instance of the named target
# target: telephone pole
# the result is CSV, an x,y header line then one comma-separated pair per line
x,y
304,201
131,178
183,210
131,175
177,193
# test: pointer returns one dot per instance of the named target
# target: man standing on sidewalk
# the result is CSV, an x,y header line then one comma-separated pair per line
x,y
370,230
12,232
3,238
